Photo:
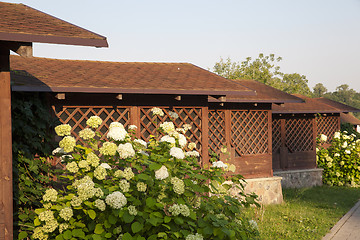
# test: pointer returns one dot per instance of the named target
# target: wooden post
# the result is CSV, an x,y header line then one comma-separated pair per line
x,y
135,119
270,137
205,135
6,189
228,129
283,149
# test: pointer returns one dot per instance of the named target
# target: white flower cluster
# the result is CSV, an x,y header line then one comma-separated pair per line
x,y
100,173
323,138
177,209
128,173
66,213
116,200
157,111
177,153
63,226
50,195
168,139
219,164
50,222
132,210
125,150
186,127
162,173
132,127
192,154
85,165
68,143
141,142
337,135
182,140
63,130
92,159
141,187
100,204
167,127
117,133
86,134
108,149
178,185
173,115
253,224
58,151
124,185
105,165
72,167
192,145
86,188
196,236
94,121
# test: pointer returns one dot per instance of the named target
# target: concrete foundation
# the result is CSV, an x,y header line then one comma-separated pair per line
x,y
300,178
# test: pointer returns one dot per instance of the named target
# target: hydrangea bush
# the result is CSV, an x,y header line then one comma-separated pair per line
x,y
126,188
341,160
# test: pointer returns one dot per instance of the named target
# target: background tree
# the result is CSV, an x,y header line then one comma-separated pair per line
x,y
319,90
263,69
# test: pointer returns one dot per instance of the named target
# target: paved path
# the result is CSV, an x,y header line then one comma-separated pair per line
x,y
348,228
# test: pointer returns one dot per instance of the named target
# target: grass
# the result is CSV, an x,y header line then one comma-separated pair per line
x,y
307,213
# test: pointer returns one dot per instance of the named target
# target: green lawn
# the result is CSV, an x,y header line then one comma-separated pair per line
x,y
306,213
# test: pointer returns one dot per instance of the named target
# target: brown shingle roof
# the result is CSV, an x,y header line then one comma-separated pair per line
x,y
264,93
349,118
21,23
43,74
311,105
340,106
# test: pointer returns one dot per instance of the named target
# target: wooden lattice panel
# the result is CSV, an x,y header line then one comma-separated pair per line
x,y
299,134
327,125
249,132
76,117
276,134
187,115
216,130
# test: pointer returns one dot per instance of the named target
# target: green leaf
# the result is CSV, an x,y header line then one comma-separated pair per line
x,y
22,235
167,219
162,235
78,233
150,202
67,234
154,166
37,222
96,237
127,236
108,235
112,219
59,237
136,227
99,229
127,217
92,214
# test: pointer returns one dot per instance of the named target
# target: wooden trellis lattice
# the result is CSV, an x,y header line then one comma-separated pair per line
x,y
249,132
299,135
216,130
276,135
327,125
187,115
76,117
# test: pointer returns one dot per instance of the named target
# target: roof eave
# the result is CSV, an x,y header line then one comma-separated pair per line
x,y
18,37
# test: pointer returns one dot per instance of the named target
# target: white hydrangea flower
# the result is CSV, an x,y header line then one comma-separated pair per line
x,y
50,226
86,134
58,151
196,236
66,213
100,173
128,173
177,209
182,140
141,142
117,133
141,187
125,150
186,127
162,173
323,138
347,151
72,167
132,127
167,126
157,111
337,135
84,164
192,145
100,204
63,226
63,130
68,143
177,153
50,195
115,125
94,121
178,185
344,145
105,165
76,201
192,154
132,210
219,164
173,115
124,185
116,200
108,148
168,139
46,216
337,155
92,159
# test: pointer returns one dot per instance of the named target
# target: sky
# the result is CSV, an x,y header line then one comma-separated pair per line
x,y
319,39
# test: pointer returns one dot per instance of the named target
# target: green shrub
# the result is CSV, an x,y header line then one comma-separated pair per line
x,y
129,189
341,160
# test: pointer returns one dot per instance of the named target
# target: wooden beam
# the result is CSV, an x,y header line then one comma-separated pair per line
x,y
6,188
24,49
205,135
